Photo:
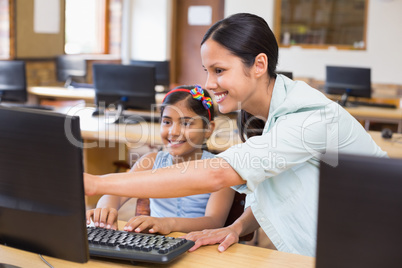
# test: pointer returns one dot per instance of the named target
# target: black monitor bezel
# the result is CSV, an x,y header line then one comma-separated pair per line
x,y
42,206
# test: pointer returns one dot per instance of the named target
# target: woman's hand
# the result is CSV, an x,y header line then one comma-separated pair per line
x,y
103,217
149,224
225,236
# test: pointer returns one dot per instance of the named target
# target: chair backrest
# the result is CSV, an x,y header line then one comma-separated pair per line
x,y
235,212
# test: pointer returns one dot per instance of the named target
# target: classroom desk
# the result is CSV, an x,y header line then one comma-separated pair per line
x,y
55,92
381,115
364,113
36,94
392,146
238,255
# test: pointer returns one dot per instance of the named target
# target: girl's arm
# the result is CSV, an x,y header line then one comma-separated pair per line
x,y
216,213
187,178
105,213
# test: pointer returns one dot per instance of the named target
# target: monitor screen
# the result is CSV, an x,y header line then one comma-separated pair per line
x,y
71,67
162,70
131,86
42,202
13,81
352,81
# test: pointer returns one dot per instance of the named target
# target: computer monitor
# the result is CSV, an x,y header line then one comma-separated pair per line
x,y
13,87
359,212
124,87
71,69
287,74
348,81
162,71
42,203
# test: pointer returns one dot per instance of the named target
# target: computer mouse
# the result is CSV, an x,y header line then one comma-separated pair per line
x,y
386,133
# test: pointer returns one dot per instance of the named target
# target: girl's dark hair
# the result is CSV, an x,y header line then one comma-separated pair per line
x,y
245,36
195,105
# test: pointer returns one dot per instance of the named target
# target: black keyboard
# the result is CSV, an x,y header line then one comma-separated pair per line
x,y
135,247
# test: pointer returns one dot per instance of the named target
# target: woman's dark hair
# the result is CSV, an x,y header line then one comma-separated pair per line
x,y
195,105
245,36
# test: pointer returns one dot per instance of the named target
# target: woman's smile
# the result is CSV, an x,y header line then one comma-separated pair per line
x,y
219,97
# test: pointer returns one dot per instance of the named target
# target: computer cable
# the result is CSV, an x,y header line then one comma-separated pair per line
x,y
43,259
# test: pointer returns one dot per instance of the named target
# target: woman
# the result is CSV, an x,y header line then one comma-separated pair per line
x,y
288,126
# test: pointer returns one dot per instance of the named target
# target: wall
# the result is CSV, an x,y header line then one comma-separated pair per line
x,y
151,36
384,40
150,28
30,44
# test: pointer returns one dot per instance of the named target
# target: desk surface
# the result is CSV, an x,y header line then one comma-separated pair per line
x,y
237,255
375,112
87,94
392,146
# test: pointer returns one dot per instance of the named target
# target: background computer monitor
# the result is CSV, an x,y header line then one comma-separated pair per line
x,y
70,69
13,87
348,81
287,74
42,202
124,87
162,71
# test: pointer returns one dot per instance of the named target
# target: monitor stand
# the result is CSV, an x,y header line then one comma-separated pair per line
x,y
344,98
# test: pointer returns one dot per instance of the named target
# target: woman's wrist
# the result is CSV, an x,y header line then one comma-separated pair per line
x,y
237,227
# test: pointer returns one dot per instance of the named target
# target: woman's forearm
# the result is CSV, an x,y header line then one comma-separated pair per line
x,y
188,178
246,223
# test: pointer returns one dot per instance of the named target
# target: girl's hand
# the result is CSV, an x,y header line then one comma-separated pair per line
x,y
149,224
103,217
225,236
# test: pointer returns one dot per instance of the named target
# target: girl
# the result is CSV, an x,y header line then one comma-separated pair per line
x,y
288,126
187,116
